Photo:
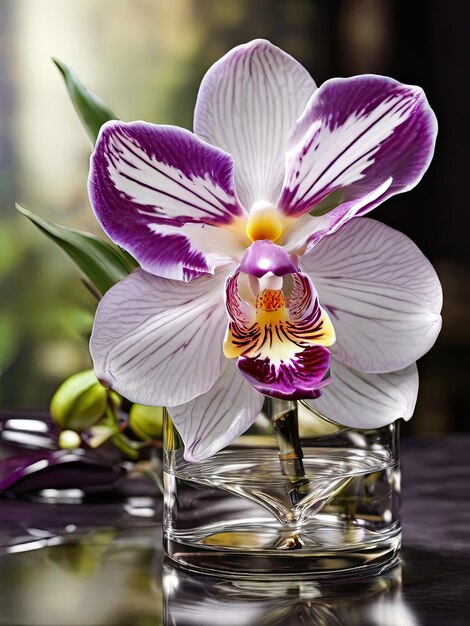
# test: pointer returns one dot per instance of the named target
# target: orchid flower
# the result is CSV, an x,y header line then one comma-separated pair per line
x,y
255,279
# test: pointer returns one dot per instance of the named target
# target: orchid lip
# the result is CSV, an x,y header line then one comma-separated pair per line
x,y
279,335
281,384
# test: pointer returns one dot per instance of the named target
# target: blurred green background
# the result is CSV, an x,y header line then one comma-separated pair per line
x,y
146,58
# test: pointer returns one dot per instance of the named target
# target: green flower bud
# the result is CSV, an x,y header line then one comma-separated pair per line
x,y
146,421
79,402
69,440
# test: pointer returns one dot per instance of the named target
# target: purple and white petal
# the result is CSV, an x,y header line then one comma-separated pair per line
x,y
241,312
218,246
158,341
304,232
359,141
302,375
308,322
265,256
148,183
216,418
246,105
382,294
361,400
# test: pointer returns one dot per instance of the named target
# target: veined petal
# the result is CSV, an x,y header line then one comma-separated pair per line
x,y
158,341
216,418
246,105
148,183
235,305
361,400
381,292
359,141
280,341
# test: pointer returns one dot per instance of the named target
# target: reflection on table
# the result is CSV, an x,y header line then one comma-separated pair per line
x,y
99,563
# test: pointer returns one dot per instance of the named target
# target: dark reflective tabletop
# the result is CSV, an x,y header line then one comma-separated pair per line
x,y
100,563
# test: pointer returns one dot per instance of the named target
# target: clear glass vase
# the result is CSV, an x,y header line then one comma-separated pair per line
x,y
295,494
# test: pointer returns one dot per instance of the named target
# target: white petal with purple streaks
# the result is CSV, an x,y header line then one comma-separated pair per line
x,y
361,400
355,134
147,183
306,231
246,105
219,246
214,419
158,341
382,294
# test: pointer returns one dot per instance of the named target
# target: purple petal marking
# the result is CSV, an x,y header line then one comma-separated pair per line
x,y
383,295
246,105
264,256
148,183
304,308
240,312
233,301
364,138
303,377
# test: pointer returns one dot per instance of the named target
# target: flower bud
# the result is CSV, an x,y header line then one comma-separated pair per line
x,y
69,440
146,421
79,402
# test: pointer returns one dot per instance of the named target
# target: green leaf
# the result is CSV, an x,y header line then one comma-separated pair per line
x,y
93,112
330,202
101,262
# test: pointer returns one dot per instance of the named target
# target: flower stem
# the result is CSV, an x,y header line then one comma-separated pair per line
x,y
284,417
